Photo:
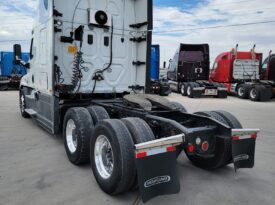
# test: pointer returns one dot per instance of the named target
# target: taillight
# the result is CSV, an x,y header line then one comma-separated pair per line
x,y
205,146
190,148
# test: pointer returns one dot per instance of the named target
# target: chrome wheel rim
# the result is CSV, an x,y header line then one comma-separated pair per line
x,y
71,138
182,89
104,158
189,90
22,99
241,91
253,93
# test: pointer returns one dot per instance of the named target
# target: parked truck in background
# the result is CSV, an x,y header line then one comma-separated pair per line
x,y
268,69
10,72
88,76
188,72
243,75
159,84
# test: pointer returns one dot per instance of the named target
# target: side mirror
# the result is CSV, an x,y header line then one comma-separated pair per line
x,y
27,65
17,54
164,64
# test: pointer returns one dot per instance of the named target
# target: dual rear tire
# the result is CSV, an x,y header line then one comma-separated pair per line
x,y
254,92
187,89
122,135
89,134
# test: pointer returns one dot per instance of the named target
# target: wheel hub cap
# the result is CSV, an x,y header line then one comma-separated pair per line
x,y
22,103
189,90
104,158
253,93
241,91
182,89
71,137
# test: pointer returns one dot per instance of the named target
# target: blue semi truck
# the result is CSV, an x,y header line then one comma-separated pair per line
x,y
11,73
158,86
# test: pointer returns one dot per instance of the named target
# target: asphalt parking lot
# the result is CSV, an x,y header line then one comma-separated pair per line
x,y
34,168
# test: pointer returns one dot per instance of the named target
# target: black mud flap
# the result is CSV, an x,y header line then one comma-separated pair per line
x,y
243,151
157,174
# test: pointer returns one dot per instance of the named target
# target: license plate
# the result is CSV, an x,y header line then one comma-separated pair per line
x,y
211,92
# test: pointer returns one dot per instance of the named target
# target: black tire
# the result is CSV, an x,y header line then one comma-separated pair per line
x,y
189,90
140,132
98,113
4,87
213,115
84,126
139,129
121,144
179,106
223,152
243,91
22,104
183,89
230,119
260,93
255,93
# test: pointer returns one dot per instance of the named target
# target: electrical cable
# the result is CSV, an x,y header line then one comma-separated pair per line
x,y
110,62
214,27
76,7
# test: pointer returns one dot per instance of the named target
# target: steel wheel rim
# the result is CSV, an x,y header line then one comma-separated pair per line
x,y
182,89
22,99
188,90
241,91
253,93
71,138
104,157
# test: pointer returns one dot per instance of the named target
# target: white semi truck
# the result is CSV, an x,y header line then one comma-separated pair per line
x,y
88,77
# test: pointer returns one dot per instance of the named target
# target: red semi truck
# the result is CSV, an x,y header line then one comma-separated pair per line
x,y
243,74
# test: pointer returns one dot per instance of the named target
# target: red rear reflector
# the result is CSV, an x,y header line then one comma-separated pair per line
x,y
141,155
205,146
171,149
235,138
190,148
254,136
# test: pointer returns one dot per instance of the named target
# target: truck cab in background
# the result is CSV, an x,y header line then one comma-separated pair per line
x,y
188,72
159,84
268,68
11,71
242,74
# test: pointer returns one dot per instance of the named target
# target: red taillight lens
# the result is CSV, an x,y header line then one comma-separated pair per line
x,y
190,148
205,146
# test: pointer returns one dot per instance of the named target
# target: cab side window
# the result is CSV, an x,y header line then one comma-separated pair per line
x,y
215,66
31,49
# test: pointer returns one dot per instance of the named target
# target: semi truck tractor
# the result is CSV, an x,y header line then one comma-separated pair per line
x,y
268,71
159,85
243,75
10,72
88,78
188,72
